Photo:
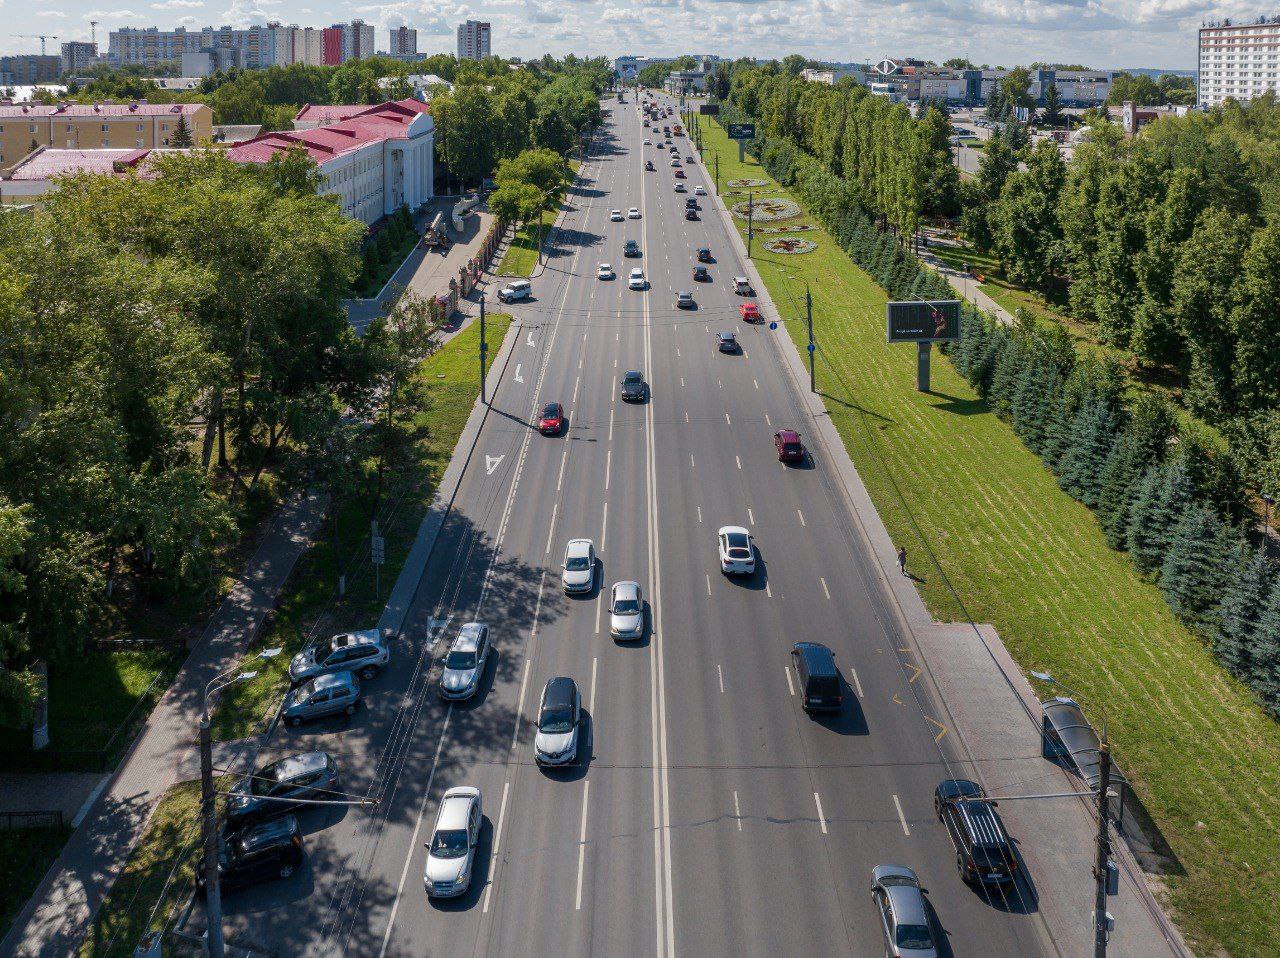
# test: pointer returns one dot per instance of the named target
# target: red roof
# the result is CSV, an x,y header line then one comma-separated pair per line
x,y
46,163
319,113
21,110
386,121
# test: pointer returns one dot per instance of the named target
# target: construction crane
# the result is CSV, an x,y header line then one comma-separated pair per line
x,y
42,37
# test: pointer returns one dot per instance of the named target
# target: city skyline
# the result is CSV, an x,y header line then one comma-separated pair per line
x,y
1101,34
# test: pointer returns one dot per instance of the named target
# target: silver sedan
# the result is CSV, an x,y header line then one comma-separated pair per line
x,y
626,611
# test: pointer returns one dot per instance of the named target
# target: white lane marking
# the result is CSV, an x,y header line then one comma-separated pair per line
x,y
591,696
720,676
691,464
768,591
492,462
719,384
413,839
751,516
611,425
518,378
766,420
582,843
564,456
801,515
580,361
681,380
901,817
708,583
738,461
737,811
604,525
530,341
857,682
686,415
497,840
757,385
552,528
608,462
699,513
599,602
727,420
791,686
825,590
576,383
615,364
822,820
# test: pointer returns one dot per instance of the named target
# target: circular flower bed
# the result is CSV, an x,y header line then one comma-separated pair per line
x,y
767,211
746,183
797,228
790,246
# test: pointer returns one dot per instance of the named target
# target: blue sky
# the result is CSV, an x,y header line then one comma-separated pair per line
x,y
1100,33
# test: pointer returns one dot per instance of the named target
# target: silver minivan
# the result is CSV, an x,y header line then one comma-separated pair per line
x,y
328,694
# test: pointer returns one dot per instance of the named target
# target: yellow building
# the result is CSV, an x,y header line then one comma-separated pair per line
x,y
91,126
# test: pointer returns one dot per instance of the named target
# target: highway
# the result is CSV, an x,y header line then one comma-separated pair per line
x,y
707,814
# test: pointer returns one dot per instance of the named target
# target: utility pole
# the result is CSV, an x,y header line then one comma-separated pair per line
x,y
209,818
750,215
1100,867
484,348
717,174
808,315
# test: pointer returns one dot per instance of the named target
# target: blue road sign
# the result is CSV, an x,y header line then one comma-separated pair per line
x,y
812,347
773,325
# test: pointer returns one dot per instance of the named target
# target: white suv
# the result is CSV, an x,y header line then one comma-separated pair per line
x,y
637,280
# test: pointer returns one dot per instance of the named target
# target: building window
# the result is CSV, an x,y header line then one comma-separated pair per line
x,y
138,142
33,128
140,128
105,142
104,128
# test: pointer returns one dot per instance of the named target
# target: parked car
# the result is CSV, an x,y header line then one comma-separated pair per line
x,y
815,666
984,853
274,789
737,551
559,718
514,290
787,443
328,694
451,850
464,664
904,917
257,853
626,611
364,652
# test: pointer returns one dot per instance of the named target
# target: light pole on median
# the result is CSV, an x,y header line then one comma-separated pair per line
x,y
208,806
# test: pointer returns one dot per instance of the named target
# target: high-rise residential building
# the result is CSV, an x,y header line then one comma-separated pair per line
x,y
78,55
473,40
1238,60
254,46
331,40
357,41
29,68
404,42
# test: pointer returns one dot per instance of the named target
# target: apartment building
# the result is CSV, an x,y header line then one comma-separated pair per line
x,y
78,55
26,69
357,40
473,40
1238,60
76,126
404,42
912,80
273,44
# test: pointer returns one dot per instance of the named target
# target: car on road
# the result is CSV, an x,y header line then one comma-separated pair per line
x,y
904,916
684,300
636,280
626,611
679,174
275,788
615,216
633,388
559,718
675,161
726,342
690,203
648,166
579,573
328,694
257,853
701,275
690,158
681,188
984,853
699,191
451,850
690,214
364,652
633,213
787,443
516,289
742,286
647,141
604,271
749,312
551,422
464,663
737,551
815,666
630,248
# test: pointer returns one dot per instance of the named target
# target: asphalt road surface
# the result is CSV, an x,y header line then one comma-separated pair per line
x,y
707,814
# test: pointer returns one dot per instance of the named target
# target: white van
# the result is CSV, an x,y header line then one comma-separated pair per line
x,y
516,289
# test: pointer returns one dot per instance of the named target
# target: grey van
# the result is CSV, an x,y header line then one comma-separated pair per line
x,y
819,678
323,695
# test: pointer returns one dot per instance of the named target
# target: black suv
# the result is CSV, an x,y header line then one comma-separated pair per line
x,y
276,789
631,248
984,854
258,853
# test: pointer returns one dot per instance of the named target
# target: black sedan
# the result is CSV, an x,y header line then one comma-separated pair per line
x,y
633,386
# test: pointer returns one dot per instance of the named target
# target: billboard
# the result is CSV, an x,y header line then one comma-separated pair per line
x,y
742,131
916,322
709,109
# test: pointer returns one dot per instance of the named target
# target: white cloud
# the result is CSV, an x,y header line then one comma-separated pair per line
x,y
178,5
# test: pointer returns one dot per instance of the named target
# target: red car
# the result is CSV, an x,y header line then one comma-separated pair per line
x,y
679,174
749,312
789,446
552,421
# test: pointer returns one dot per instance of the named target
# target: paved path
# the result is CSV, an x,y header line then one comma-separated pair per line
x,y
56,918
966,285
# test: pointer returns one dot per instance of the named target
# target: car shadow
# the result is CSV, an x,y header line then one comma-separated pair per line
x,y
941,937
329,725
479,874
1019,898
850,720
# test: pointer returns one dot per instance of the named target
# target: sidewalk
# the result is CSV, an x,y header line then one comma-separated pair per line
x,y
966,286
60,912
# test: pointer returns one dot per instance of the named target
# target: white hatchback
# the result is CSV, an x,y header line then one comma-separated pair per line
x,y
604,271
699,191
615,216
633,213
637,280
579,573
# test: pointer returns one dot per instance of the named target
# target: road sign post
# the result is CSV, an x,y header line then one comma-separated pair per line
x,y
923,323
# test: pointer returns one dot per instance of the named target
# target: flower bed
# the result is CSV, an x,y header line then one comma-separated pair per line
x,y
769,210
790,247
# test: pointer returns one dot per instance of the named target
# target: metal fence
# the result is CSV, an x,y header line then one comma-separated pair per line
x,y
42,819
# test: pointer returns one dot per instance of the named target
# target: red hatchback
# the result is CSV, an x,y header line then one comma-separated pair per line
x,y
552,420
750,312
789,446
679,174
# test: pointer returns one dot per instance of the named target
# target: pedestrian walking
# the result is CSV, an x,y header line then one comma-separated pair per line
x,y
902,559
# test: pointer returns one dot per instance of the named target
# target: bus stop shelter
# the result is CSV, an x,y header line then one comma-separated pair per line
x,y
1068,737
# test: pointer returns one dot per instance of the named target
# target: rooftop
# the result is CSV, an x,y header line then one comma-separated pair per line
x,y
137,108
386,121
46,163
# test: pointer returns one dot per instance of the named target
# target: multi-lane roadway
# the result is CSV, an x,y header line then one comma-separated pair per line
x,y
707,814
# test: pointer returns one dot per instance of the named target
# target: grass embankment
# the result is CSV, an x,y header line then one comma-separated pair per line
x,y
997,541
433,410
27,854
522,255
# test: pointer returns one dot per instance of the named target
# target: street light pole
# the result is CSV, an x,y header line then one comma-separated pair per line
x,y
484,348
750,212
808,314
1100,866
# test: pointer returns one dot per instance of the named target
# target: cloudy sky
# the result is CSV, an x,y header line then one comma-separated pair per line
x,y
1100,33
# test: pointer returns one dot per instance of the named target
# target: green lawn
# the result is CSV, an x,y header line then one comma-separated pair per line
x,y
434,409
997,541
27,854
522,255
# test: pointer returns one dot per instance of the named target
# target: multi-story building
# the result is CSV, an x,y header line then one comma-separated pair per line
x,y
357,41
833,75
913,80
628,67
254,46
27,69
78,55
1238,60
83,126
473,40
404,42
331,45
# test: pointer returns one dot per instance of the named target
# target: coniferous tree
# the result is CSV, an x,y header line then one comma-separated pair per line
x,y
1264,667
1005,372
1031,401
1144,533
1246,593
1192,574
1093,436
1120,473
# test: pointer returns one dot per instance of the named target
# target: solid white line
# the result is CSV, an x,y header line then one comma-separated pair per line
x,y
737,812
857,682
720,676
497,840
552,528
582,843
822,821
564,457
413,839
791,686
801,515
608,461
901,817
738,461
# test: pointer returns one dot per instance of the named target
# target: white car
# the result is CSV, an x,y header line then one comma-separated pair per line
x,y
648,142
633,213
451,852
699,191
579,573
737,551
615,216
626,611
637,280
680,188
604,271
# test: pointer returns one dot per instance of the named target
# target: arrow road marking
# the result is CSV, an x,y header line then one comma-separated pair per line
x,y
938,737
530,340
518,377
491,463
